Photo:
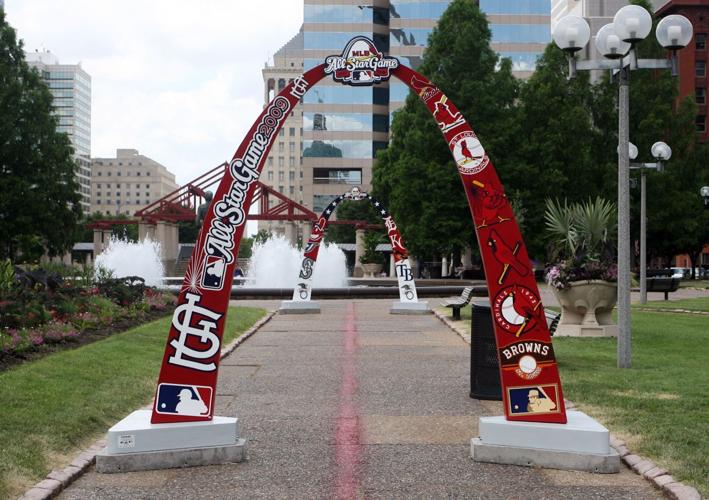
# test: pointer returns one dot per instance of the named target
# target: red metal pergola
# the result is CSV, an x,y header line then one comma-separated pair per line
x,y
182,204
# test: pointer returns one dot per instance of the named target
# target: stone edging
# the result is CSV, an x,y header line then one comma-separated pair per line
x,y
59,479
658,476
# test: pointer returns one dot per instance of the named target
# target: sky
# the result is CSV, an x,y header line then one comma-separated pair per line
x,y
179,81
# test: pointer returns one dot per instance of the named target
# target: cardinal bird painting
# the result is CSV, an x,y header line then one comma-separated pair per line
x,y
506,256
490,202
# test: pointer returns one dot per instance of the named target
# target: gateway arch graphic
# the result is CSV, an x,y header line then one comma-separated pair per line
x,y
531,387
407,286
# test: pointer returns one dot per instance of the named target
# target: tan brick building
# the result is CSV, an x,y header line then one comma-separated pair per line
x,y
128,182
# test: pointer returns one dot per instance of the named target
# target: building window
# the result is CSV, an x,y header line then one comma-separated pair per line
x,y
291,147
700,94
700,41
291,190
270,175
98,193
281,133
118,173
108,173
118,193
98,202
270,161
98,186
147,173
280,189
701,122
100,173
291,176
281,161
281,176
291,131
700,68
137,174
147,194
291,162
281,146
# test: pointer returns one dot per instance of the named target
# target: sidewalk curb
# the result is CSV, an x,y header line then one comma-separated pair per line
x,y
59,479
656,475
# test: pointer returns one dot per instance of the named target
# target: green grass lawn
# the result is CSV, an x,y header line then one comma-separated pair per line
x,y
695,304
53,407
694,284
660,406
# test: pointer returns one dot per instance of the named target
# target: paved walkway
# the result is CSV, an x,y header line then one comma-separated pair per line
x,y
355,403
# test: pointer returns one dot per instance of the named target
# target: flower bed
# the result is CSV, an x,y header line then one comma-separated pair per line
x,y
41,312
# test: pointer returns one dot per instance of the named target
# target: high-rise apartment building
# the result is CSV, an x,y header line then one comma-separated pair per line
x,y
128,182
70,86
330,142
693,60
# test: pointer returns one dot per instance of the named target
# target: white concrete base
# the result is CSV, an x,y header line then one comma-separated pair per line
x,y
409,308
299,307
136,444
580,444
586,331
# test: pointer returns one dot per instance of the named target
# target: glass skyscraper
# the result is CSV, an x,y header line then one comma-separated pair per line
x,y
70,86
342,127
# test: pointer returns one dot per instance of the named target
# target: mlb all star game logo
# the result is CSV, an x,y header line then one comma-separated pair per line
x,y
360,63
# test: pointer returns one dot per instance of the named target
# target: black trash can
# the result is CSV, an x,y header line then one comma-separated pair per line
x,y
484,366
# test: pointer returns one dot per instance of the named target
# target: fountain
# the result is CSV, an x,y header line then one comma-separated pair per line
x,y
276,264
124,258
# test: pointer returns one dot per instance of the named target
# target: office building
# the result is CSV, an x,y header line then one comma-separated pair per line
x,y
128,182
693,60
598,13
70,86
329,143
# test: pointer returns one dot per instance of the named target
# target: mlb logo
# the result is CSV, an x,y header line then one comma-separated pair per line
x,y
178,399
533,399
214,271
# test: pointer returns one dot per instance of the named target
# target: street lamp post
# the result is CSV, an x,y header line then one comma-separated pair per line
x,y
661,152
616,42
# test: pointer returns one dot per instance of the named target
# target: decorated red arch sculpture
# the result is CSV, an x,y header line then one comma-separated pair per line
x,y
407,287
530,380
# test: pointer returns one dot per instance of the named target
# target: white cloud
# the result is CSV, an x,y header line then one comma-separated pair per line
x,y
178,80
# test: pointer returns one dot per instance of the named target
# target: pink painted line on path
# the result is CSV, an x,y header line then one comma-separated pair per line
x,y
347,446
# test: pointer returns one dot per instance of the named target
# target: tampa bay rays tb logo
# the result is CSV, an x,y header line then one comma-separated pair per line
x,y
182,321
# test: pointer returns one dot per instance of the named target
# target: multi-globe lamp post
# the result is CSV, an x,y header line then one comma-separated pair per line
x,y
616,43
661,152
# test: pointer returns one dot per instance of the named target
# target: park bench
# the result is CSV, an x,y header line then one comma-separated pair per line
x,y
458,303
662,284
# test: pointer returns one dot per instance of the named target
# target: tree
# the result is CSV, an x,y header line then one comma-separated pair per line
x,y
127,231
415,177
558,158
39,206
351,210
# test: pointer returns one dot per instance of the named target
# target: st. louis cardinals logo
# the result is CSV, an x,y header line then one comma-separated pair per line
x,y
446,118
425,90
492,205
517,309
507,256
468,153
198,333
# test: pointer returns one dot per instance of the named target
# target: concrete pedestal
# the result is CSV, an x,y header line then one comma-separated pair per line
x,y
409,308
581,444
135,444
299,307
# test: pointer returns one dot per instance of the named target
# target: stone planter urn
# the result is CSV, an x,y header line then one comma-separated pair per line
x,y
372,270
586,308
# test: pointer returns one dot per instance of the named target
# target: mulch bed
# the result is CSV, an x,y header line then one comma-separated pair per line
x,y
85,337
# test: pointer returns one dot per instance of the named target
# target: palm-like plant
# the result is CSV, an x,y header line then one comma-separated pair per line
x,y
581,237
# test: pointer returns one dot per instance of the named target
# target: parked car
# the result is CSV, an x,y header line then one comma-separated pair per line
x,y
680,272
